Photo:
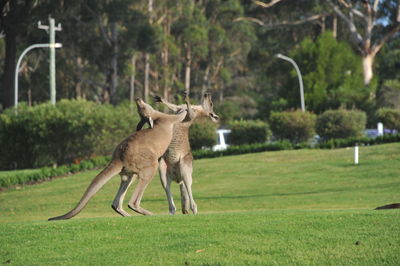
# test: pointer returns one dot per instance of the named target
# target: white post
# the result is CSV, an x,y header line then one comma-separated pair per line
x,y
380,129
356,154
51,29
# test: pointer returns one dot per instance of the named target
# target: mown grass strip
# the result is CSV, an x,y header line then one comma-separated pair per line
x,y
257,238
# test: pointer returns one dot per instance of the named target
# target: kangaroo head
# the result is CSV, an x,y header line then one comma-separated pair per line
x,y
146,113
207,106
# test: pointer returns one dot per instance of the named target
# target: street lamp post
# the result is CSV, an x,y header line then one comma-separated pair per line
x,y
33,46
281,56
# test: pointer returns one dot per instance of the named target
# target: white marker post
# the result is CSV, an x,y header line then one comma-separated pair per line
x,y
380,129
356,154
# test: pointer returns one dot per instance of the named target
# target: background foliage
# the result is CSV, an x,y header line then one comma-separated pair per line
x,y
114,50
71,130
296,126
248,132
341,124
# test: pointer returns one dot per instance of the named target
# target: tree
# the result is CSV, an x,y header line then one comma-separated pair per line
x,y
332,74
371,25
13,16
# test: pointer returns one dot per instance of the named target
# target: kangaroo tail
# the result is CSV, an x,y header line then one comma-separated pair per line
x,y
98,182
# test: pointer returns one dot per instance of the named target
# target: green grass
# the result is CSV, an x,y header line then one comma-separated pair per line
x,y
287,207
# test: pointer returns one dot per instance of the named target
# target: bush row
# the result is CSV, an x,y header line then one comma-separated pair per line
x,y
53,135
246,148
248,132
341,124
349,142
49,172
46,135
389,117
202,134
46,172
297,126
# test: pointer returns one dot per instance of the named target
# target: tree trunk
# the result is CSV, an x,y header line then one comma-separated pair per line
x,y
9,67
132,82
323,24
114,63
78,83
146,77
368,61
166,89
187,71
334,26
147,57
205,80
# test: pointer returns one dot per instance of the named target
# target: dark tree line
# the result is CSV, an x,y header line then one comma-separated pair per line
x,y
114,50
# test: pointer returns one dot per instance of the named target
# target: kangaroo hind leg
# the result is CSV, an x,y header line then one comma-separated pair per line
x,y
126,181
184,198
145,176
186,170
166,184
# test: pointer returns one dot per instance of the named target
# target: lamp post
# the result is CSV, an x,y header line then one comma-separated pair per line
x,y
33,46
281,56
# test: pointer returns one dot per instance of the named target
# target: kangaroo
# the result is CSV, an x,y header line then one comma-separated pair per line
x,y
389,206
177,162
137,155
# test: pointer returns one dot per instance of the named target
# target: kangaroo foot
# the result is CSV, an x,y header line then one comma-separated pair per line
x,y
172,210
120,211
140,210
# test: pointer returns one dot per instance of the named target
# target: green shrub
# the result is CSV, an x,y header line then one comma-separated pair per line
x,y
389,117
296,126
248,132
243,149
341,124
202,134
350,142
44,173
46,135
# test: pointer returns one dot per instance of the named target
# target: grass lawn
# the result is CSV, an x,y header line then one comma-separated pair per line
x,y
286,207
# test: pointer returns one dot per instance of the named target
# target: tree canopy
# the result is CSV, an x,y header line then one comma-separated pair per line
x,y
114,49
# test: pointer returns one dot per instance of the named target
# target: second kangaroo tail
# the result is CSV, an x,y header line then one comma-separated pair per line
x,y
98,182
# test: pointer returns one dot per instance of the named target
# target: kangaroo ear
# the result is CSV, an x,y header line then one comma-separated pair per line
x,y
151,122
140,124
207,103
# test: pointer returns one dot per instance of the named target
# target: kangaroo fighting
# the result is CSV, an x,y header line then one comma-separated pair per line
x,y
137,156
177,162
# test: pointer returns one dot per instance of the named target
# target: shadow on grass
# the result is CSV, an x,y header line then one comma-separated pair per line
x,y
300,193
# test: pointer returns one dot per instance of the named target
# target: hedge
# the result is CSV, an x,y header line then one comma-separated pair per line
x,y
296,126
49,172
46,135
349,142
248,132
243,149
202,134
341,124
389,117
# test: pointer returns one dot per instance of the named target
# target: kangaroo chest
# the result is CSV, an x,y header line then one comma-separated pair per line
x,y
179,146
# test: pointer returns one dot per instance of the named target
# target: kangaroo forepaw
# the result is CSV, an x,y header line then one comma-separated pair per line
x,y
158,99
